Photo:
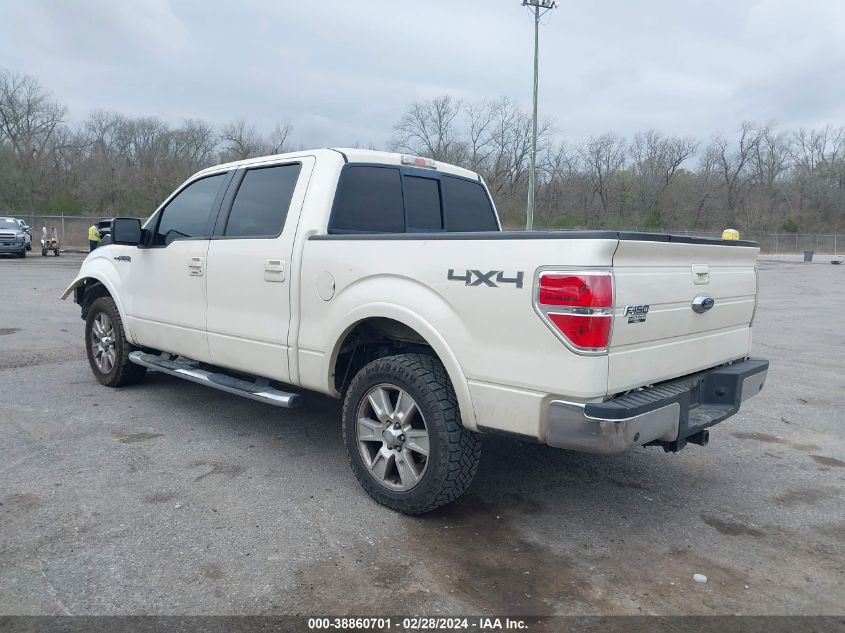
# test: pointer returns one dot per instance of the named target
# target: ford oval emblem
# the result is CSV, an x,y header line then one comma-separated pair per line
x,y
702,303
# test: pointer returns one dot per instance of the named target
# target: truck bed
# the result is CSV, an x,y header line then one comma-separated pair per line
x,y
463,289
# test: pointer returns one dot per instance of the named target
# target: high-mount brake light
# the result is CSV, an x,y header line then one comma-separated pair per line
x,y
418,161
578,306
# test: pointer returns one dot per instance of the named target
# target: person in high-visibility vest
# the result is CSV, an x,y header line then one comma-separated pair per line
x,y
93,237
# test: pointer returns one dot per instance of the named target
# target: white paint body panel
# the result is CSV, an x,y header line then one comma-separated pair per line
x,y
249,295
674,340
505,363
164,298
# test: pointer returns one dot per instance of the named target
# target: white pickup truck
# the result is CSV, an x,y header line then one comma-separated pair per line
x,y
386,280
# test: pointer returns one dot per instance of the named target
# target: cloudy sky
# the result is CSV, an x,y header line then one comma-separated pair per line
x,y
343,71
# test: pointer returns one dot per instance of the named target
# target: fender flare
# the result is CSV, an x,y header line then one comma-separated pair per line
x,y
422,327
103,279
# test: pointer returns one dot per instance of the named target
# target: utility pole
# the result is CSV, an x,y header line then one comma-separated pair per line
x,y
538,8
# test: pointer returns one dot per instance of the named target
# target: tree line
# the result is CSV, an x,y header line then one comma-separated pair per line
x,y
759,177
110,163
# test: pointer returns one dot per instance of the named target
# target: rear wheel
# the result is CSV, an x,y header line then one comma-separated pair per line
x,y
107,346
404,436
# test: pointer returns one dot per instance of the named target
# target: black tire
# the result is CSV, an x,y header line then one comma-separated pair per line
x,y
454,451
29,247
122,371
22,254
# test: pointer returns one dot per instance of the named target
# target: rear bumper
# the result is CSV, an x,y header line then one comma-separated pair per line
x,y
670,414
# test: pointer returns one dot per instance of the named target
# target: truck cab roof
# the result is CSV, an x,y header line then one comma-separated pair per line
x,y
349,155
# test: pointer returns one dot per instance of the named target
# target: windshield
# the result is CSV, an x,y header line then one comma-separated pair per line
x,y
9,224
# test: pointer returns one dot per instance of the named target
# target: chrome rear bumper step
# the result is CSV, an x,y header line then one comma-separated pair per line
x,y
259,389
668,415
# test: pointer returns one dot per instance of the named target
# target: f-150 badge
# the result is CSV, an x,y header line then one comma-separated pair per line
x,y
637,314
491,278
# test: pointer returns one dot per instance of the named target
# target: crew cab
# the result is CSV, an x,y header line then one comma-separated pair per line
x,y
387,281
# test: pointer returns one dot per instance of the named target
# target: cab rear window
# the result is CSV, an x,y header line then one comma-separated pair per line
x,y
386,199
424,211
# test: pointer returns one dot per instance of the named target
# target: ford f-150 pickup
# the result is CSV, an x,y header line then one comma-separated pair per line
x,y
386,280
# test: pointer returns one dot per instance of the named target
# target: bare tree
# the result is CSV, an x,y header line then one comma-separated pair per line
x,y
278,140
562,183
480,117
815,149
705,185
429,128
656,160
603,157
28,114
770,162
240,140
194,145
734,163
510,141
29,118
818,158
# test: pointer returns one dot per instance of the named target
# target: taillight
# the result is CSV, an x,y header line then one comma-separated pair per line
x,y
576,290
579,307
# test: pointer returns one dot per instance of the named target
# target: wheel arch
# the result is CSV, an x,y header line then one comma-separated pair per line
x,y
387,324
90,282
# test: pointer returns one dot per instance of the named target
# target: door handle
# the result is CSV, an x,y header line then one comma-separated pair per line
x,y
700,274
274,270
196,266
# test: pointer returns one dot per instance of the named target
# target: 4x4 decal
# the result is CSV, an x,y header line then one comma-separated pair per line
x,y
486,278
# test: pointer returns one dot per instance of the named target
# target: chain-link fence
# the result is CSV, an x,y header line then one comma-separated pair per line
x,y
72,230
828,244
73,233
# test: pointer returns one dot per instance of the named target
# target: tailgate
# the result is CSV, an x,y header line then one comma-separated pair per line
x,y
657,333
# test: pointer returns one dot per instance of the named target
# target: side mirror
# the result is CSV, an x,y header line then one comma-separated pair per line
x,y
126,231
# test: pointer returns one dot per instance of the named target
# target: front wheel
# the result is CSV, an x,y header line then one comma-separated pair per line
x,y
107,346
404,437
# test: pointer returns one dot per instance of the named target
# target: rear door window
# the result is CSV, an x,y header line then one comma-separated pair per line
x,y
369,200
261,204
467,206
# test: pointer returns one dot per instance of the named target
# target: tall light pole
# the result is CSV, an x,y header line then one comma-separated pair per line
x,y
538,8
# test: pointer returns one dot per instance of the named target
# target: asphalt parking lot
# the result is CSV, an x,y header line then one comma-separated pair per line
x,y
170,498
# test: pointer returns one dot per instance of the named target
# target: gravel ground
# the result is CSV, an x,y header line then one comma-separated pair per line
x,y
170,498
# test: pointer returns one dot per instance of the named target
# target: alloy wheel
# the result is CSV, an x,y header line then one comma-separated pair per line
x,y
102,343
392,437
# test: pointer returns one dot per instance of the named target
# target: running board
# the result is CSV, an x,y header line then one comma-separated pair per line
x,y
259,389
